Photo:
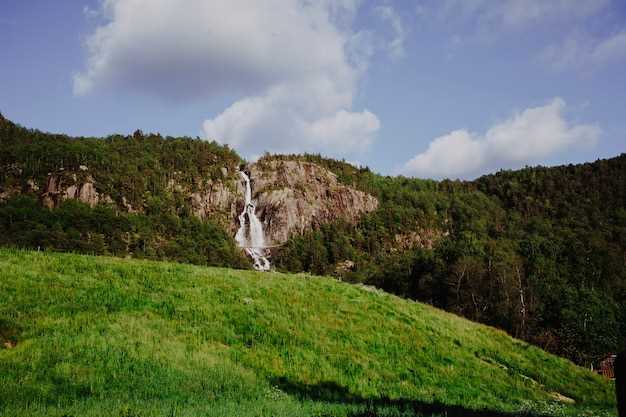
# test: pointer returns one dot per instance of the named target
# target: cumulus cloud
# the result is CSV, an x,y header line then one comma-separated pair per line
x,y
294,118
295,64
396,44
586,53
526,138
182,48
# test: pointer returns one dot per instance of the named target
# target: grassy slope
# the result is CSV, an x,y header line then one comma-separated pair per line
x,y
102,336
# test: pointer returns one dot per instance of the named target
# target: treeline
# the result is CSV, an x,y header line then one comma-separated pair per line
x,y
137,167
539,252
75,227
135,171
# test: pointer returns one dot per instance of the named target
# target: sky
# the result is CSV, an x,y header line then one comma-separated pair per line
x,y
423,88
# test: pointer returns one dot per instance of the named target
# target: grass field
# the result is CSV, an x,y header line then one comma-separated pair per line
x,y
95,336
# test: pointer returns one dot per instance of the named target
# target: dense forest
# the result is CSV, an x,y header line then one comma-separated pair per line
x,y
539,252
134,171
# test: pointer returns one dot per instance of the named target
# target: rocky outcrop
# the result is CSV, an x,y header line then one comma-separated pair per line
x,y
219,199
61,186
292,196
295,196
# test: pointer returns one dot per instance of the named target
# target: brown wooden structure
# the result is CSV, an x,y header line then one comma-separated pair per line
x,y
606,367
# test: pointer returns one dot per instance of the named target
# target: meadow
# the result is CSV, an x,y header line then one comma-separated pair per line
x,y
96,336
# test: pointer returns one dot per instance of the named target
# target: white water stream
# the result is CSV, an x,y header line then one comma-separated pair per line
x,y
250,235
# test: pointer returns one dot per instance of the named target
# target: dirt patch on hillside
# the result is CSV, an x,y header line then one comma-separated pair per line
x,y
8,334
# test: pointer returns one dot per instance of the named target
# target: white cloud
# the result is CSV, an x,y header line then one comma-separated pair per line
x,y
294,118
585,53
182,48
526,138
396,44
295,64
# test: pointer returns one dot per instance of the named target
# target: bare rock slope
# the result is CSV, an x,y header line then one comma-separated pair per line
x,y
295,196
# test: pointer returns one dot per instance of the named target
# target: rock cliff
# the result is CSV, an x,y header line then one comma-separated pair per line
x,y
292,196
295,196
218,200
61,187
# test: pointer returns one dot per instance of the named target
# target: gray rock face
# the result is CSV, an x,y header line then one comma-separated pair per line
x,y
295,196
219,199
292,196
55,191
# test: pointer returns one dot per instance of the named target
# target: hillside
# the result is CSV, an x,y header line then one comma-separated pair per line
x,y
529,251
149,196
87,336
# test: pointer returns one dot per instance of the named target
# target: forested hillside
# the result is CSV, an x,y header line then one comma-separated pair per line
x,y
142,209
539,252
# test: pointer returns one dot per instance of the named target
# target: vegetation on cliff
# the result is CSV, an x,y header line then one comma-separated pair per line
x,y
133,171
144,215
95,336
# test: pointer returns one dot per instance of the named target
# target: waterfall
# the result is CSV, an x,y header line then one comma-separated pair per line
x,y
252,238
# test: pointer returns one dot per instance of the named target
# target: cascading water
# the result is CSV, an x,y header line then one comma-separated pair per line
x,y
250,235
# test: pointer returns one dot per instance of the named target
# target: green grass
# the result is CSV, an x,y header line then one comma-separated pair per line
x,y
95,336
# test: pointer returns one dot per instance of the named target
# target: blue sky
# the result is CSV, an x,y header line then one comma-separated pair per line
x,y
435,88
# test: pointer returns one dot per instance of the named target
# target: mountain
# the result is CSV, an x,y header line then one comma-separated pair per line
x,y
97,336
539,253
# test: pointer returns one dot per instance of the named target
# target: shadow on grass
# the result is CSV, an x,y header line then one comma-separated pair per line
x,y
331,392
